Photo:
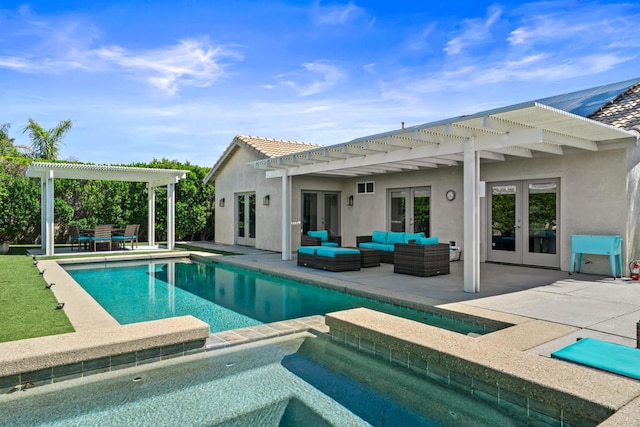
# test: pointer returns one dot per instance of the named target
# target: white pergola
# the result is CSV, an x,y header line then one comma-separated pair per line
x,y
525,130
47,172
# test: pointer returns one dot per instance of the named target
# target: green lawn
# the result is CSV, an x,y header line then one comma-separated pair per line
x,y
27,308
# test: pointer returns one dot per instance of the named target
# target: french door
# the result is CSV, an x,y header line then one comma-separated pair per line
x,y
246,219
410,209
321,211
524,222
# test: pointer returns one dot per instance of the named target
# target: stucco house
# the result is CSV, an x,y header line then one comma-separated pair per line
x,y
508,185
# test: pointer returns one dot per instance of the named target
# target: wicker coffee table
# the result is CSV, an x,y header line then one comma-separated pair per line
x,y
368,257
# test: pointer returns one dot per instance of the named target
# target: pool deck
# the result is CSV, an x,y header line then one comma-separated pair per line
x,y
580,305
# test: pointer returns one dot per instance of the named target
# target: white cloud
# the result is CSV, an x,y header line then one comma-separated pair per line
x,y
56,45
475,31
192,62
329,75
547,28
335,15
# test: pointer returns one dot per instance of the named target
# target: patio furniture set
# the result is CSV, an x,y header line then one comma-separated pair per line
x,y
410,253
103,234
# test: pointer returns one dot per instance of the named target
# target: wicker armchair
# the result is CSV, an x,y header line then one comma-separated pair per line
x,y
316,241
421,260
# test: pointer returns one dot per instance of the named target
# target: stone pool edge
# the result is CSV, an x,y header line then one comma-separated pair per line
x,y
549,387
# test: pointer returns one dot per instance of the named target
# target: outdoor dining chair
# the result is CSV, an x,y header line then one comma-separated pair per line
x,y
101,234
130,235
75,236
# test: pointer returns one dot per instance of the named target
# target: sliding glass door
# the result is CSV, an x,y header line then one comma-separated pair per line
x,y
321,211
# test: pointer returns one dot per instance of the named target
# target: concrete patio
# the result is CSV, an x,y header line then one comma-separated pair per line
x,y
594,306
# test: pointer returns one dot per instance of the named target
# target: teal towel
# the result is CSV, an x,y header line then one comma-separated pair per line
x,y
607,356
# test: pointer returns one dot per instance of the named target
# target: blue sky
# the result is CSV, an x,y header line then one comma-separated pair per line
x,y
179,79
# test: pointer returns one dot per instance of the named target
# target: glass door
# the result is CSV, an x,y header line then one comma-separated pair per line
x,y
410,210
541,222
523,222
504,223
246,219
321,211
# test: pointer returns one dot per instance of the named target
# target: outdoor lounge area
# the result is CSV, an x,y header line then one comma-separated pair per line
x,y
410,253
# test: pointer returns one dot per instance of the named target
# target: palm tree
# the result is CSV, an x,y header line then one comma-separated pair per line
x,y
6,144
46,143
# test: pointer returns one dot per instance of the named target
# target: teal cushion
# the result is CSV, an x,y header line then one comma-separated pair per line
x,y
123,237
394,237
309,250
81,238
433,240
100,239
330,244
332,252
323,235
379,236
603,355
412,236
377,246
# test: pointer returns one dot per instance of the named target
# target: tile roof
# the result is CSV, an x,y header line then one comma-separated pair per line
x,y
622,112
268,147
262,148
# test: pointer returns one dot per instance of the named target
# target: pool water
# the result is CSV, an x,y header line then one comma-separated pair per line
x,y
223,296
301,380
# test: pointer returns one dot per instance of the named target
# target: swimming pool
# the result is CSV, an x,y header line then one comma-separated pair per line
x,y
225,297
298,380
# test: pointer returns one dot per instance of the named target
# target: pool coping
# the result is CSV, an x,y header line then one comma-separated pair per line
x,y
45,360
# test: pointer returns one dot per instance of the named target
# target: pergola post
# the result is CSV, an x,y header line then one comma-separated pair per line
x,y
43,215
286,216
151,219
47,238
171,216
471,177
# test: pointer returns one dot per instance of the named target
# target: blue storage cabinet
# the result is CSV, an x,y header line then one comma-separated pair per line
x,y
597,245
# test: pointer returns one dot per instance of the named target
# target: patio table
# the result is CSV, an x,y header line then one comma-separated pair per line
x,y
90,231
368,257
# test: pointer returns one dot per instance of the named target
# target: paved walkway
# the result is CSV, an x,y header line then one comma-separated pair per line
x,y
599,306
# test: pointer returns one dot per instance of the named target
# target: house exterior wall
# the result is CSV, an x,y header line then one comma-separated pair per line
x,y
238,177
592,195
593,199
371,211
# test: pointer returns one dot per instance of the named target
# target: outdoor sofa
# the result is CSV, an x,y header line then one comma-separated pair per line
x,y
329,258
384,242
